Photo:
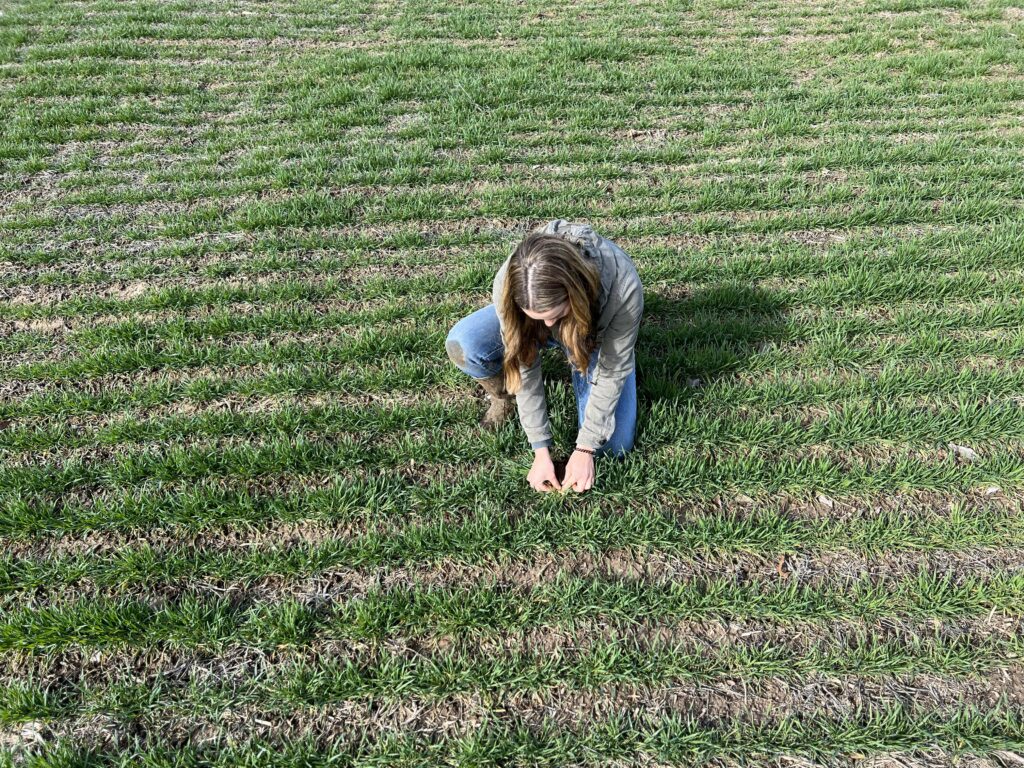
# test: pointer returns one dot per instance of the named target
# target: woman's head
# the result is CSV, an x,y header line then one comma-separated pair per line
x,y
552,317
548,281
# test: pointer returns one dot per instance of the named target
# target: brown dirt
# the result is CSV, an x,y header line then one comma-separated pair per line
x,y
749,702
838,570
102,667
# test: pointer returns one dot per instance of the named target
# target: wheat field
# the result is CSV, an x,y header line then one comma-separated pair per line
x,y
248,515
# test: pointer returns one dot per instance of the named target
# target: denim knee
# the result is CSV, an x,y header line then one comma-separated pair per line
x,y
616,451
617,447
464,351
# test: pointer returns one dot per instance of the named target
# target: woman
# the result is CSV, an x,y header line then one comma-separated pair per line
x,y
564,286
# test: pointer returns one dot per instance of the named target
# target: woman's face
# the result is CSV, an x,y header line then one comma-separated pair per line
x,y
551,317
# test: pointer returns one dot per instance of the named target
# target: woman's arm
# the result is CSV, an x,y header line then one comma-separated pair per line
x,y
533,406
616,361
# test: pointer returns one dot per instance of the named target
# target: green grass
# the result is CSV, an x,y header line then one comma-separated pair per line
x,y
246,511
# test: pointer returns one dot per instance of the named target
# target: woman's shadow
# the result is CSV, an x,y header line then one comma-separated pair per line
x,y
690,339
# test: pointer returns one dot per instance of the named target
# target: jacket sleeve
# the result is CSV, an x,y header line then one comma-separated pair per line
x,y
616,361
533,407
530,400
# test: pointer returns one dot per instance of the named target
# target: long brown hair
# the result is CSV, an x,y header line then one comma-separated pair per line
x,y
543,273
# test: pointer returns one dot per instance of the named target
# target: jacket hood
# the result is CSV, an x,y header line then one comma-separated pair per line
x,y
593,248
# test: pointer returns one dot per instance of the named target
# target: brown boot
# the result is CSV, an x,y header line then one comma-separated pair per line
x,y
502,404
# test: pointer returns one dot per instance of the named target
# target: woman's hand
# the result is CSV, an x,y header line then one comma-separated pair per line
x,y
579,472
543,471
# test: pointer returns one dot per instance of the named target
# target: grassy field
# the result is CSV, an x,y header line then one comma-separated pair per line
x,y
248,516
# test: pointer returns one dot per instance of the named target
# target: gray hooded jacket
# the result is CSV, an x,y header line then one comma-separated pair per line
x,y
620,307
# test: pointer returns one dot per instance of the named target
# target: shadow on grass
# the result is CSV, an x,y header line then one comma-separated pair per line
x,y
709,334
686,344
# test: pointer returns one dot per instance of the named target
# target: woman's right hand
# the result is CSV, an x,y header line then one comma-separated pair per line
x,y
543,471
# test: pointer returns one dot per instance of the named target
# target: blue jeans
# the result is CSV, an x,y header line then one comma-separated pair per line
x,y
474,344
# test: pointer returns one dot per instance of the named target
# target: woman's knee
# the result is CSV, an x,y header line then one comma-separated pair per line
x,y
466,350
616,448
455,348
620,443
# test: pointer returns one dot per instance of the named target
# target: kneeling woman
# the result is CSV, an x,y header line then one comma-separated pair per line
x,y
564,286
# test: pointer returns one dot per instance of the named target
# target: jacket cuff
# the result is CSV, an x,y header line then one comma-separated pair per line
x,y
589,439
545,443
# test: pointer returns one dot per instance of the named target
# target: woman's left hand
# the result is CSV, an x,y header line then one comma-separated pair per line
x,y
579,472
